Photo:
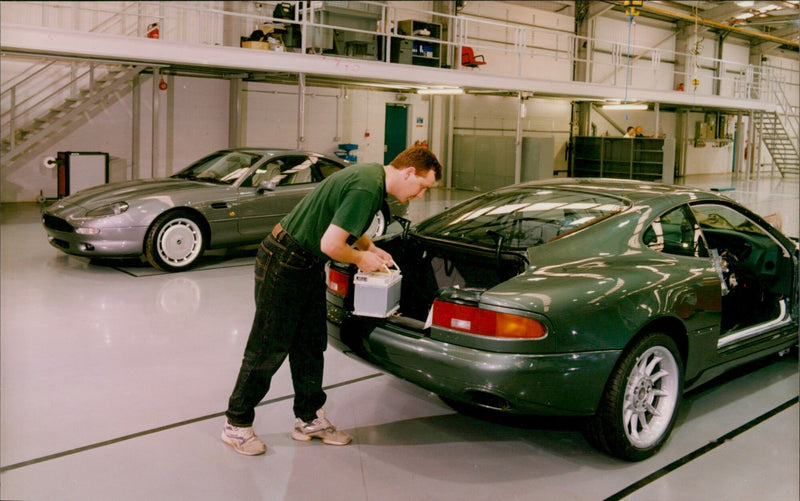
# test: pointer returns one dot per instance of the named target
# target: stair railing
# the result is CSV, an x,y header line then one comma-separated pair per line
x,y
790,120
18,112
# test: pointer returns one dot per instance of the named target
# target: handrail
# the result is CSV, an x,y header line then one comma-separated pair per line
x,y
496,36
9,117
787,120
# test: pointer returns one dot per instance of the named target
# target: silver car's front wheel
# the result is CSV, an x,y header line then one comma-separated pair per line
x,y
640,402
174,242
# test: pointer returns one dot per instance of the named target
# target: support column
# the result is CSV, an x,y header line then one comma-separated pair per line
x,y
751,145
521,112
738,152
681,73
234,112
301,110
136,107
681,135
657,108
155,134
719,66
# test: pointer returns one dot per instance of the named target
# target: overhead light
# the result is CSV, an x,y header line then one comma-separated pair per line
x,y
446,92
746,5
626,106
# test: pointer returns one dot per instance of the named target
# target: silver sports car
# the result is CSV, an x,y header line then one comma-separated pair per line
x,y
229,198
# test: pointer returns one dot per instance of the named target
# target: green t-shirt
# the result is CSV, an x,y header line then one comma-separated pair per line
x,y
349,198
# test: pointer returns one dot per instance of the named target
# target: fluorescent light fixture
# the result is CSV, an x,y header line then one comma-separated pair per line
x,y
744,15
745,4
445,92
625,106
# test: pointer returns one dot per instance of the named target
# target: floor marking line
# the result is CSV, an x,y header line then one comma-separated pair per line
x,y
166,427
701,451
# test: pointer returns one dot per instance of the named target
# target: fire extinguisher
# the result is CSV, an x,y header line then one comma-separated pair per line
x,y
152,30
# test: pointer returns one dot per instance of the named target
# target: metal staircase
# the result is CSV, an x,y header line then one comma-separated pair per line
x,y
37,110
779,131
41,118
778,142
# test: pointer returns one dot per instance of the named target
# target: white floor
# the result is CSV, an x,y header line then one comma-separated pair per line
x,y
114,381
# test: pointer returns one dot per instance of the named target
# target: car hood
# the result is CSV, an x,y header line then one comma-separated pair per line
x,y
127,191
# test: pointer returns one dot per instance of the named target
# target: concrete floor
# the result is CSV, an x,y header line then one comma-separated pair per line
x,y
114,380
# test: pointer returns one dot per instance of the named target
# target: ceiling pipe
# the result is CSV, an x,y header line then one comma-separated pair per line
x,y
714,24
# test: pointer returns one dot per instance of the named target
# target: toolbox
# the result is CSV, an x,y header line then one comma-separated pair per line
x,y
377,294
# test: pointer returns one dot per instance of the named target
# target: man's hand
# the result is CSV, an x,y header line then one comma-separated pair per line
x,y
368,257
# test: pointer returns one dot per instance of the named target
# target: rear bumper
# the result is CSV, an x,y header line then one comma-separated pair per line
x,y
552,384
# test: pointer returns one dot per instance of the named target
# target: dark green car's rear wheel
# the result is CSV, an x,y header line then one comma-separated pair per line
x,y
640,401
174,242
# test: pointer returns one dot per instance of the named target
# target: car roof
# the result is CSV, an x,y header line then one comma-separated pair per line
x,y
638,192
270,151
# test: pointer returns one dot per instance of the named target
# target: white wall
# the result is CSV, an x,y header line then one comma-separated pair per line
x,y
193,117
332,116
487,115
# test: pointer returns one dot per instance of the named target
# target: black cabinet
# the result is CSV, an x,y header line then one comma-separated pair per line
x,y
644,159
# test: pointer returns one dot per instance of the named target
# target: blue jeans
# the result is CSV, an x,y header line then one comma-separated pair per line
x,y
289,320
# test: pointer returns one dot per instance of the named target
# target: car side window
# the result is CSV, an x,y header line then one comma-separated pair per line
x,y
676,232
325,168
295,170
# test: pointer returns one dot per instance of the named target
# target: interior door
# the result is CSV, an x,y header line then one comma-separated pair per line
x,y
395,131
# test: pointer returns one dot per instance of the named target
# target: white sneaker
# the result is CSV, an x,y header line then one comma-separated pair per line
x,y
320,428
243,440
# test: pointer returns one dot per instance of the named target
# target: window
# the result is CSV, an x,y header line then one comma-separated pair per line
x,y
676,232
221,167
519,218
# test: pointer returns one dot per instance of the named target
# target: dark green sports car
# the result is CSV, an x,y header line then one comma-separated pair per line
x,y
599,298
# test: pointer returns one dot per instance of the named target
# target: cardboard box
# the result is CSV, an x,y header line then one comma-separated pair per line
x,y
377,294
255,45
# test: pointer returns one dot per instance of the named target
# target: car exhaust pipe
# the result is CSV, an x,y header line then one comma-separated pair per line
x,y
490,400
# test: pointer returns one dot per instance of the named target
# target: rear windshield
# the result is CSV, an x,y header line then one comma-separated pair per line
x,y
520,218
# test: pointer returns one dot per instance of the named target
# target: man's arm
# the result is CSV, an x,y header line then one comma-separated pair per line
x,y
366,256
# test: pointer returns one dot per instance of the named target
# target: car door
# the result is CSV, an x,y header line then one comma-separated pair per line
x,y
757,273
294,176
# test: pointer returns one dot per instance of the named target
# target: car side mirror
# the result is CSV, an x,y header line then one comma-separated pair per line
x,y
265,186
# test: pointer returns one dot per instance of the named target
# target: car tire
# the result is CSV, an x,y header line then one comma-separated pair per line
x,y
379,224
639,404
174,242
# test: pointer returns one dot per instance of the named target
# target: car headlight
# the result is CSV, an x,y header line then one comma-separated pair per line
x,y
114,209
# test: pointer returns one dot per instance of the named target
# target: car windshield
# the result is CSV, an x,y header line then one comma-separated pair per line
x,y
223,167
519,218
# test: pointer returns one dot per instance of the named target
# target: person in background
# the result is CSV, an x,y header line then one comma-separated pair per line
x,y
630,132
329,223
639,131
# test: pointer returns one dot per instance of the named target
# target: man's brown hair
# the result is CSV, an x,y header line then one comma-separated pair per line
x,y
422,159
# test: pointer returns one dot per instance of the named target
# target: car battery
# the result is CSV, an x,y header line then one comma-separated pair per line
x,y
377,294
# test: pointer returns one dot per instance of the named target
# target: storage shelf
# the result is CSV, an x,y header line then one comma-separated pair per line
x,y
423,50
622,157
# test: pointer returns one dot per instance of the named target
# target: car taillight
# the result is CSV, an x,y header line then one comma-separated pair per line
x,y
474,320
338,282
